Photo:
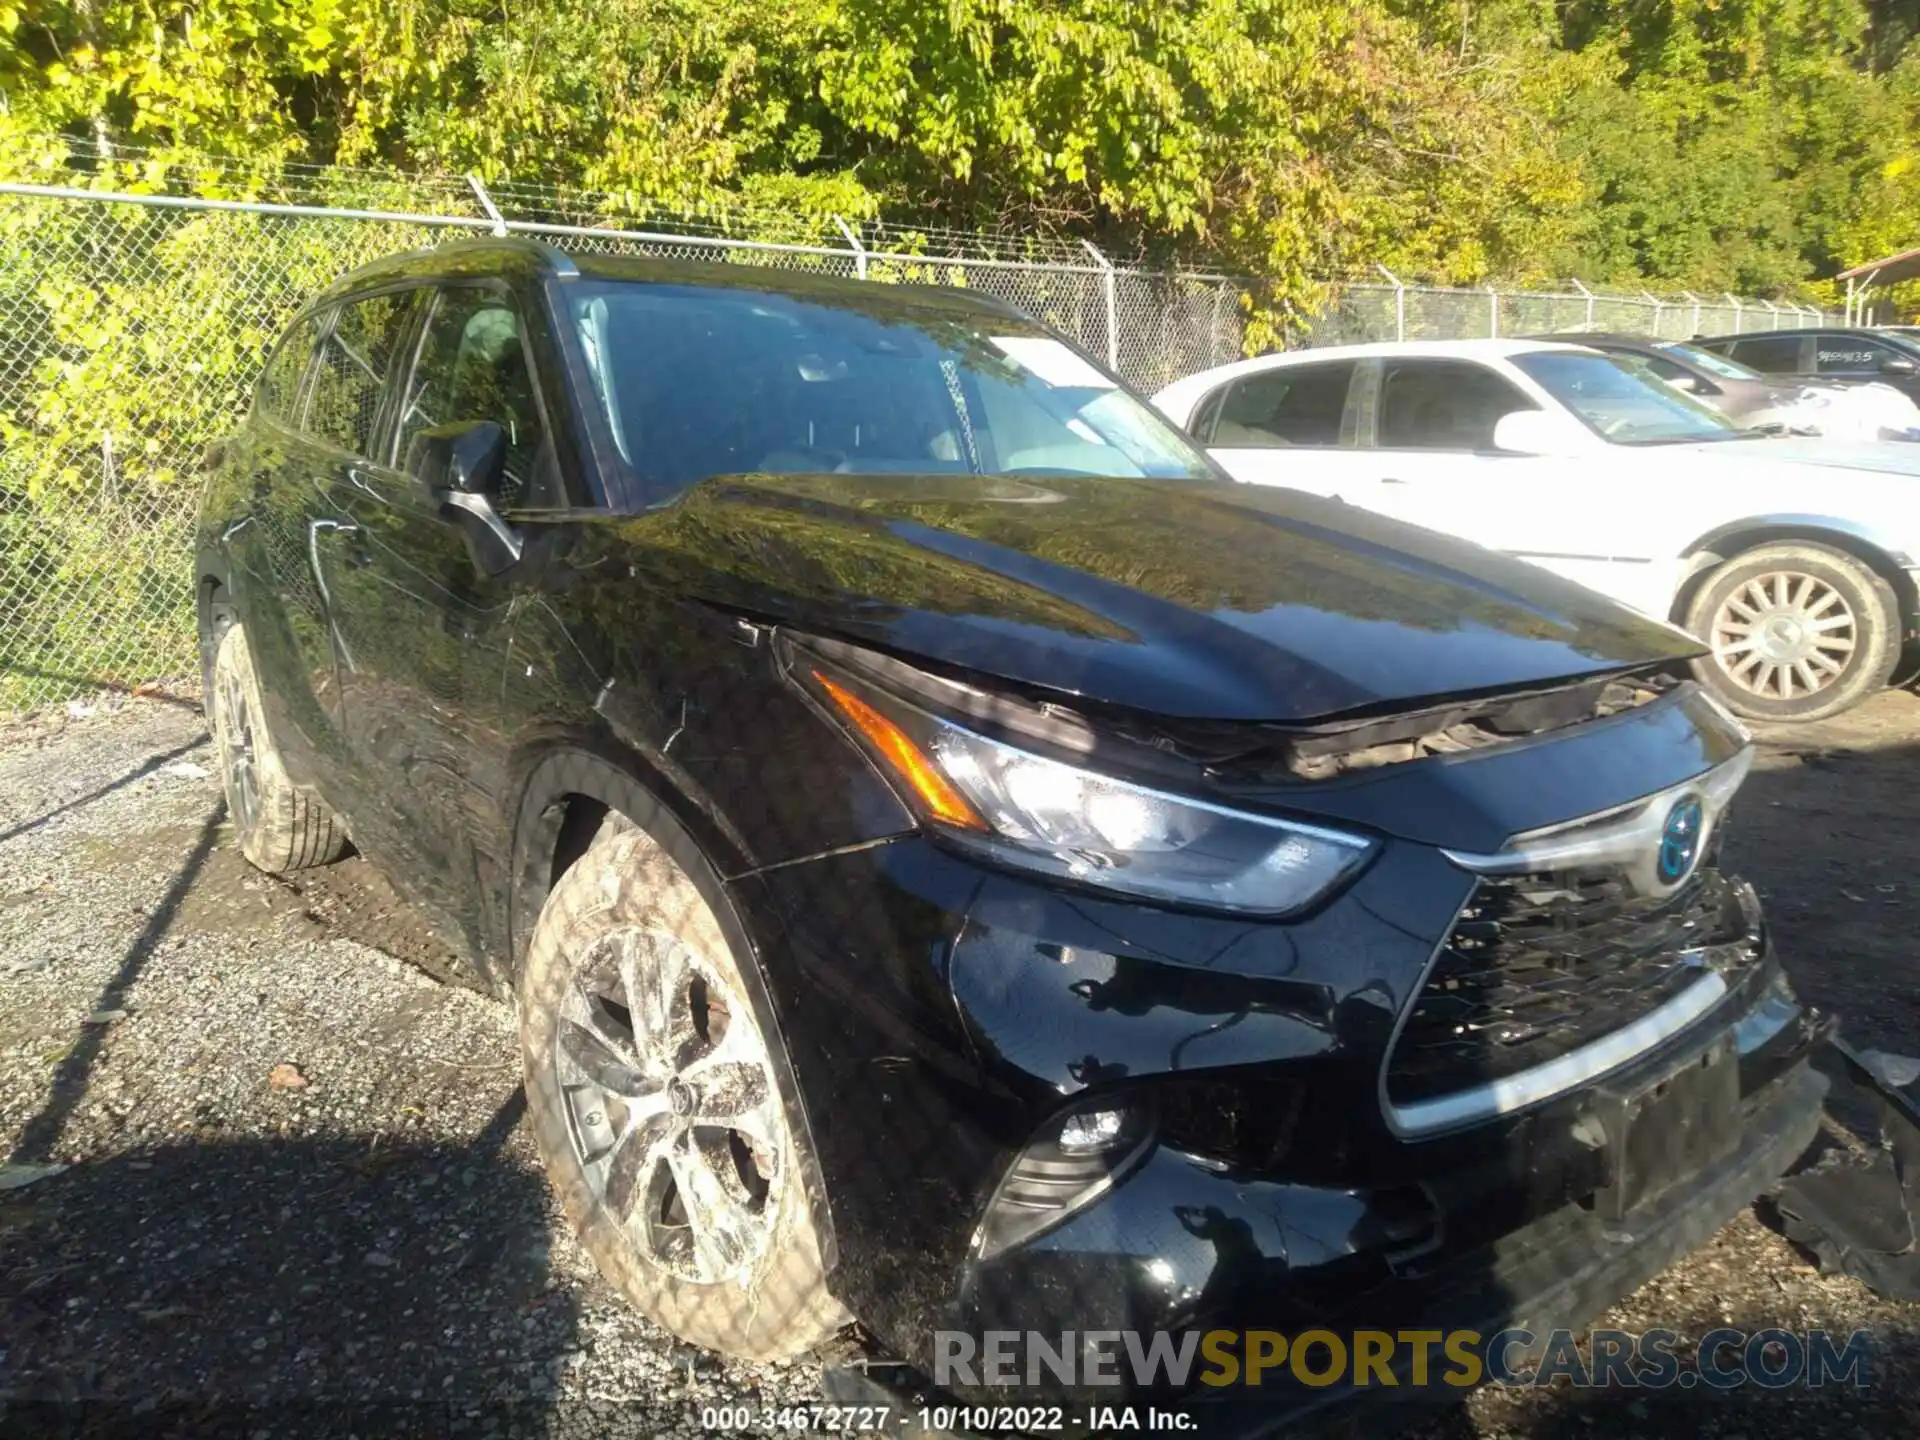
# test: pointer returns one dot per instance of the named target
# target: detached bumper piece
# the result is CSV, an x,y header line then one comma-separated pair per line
x,y
1862,1217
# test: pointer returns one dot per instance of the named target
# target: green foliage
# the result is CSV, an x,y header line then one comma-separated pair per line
x,y
133,340
1745,144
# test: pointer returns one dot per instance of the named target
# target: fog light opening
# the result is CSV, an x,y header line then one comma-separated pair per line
x,y
1070,1163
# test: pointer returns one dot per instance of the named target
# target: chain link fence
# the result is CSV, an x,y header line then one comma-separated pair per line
x,y
131,328
1365,311
132,325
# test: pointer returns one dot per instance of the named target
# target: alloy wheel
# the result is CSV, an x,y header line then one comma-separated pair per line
x,y
1784,636
238,752
671,1105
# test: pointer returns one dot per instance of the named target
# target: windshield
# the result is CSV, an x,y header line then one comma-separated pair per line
x,y
1711,363
1619,397
699,381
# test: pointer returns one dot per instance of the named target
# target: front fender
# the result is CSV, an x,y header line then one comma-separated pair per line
x,y
1806,526
561,774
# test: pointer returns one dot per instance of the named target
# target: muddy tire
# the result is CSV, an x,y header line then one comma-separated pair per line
x,y
281,826
1799,632
654,1097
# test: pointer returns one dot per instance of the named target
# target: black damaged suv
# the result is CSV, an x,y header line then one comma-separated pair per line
x,y
961,862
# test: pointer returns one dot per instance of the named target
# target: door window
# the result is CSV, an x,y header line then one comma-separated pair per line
x,y
473,366
278,392
1289,405
1850,355
1443,405
1208,411
344,396
1769,354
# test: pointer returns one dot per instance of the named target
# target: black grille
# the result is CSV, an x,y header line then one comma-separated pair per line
x,y
1538,965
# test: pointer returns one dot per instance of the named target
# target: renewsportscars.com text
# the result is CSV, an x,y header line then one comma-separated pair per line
x,y
1460,1359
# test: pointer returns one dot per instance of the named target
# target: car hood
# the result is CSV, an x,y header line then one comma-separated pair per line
x,y
1886,457
1190,599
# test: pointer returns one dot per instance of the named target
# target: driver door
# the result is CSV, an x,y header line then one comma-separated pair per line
x,y
1580,516
427,628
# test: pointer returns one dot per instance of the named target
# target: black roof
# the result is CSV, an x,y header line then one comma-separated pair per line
x,y
1899,342
526,257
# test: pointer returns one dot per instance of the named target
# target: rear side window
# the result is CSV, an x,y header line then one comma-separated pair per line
x,y
278,391
1292,405
1443,405
1770,354
1845,354
344,394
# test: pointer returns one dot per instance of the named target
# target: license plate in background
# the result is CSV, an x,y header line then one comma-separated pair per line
x,y
1667,1129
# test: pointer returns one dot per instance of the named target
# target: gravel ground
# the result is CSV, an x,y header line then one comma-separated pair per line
x,y
297,1178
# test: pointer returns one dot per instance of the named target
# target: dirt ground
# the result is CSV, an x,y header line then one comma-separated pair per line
x,y
296,1176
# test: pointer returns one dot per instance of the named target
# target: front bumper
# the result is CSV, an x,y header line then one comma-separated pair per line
x,y
940,1013
1557,1273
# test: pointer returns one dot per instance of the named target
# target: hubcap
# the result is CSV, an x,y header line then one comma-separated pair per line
x,y
671,1105
237,748
1784,636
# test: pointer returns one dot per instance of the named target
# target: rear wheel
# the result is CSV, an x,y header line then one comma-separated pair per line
x,y
1798,631
653,1093
281,826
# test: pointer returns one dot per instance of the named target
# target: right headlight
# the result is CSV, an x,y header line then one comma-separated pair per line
x,y
1040,814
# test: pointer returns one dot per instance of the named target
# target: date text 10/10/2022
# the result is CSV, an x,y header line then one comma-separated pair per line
x,y
938,1419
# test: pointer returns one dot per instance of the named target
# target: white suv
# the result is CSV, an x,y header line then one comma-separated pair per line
x,y
1796,559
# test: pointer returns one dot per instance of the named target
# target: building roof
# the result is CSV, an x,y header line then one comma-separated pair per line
x,y
1888,270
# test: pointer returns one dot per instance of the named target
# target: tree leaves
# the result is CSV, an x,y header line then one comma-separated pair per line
x,y
1713,145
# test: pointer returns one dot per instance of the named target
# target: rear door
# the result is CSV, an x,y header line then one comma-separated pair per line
x,y
425,630
277,469
1851,356
1290,425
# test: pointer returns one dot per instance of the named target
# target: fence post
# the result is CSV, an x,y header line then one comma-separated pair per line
x,y
1399,301
487,207
859,250
1493,313
1113,314
1739,314
1696,313
1589,297
1658,305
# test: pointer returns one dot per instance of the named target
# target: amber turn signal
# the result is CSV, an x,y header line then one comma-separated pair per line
x,y
935,792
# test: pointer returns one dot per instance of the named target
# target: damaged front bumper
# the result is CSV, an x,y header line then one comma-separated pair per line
x,y
1053,1112
1557,1272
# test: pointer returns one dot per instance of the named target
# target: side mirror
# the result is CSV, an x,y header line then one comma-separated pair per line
x,y
462,465
468,458
1538,432
1897,365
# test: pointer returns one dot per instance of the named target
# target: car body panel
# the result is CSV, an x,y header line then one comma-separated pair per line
x,y
1624,520
1826,353
1755,400
938,1008
1191,600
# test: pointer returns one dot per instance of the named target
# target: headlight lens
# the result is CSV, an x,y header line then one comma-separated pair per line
x,y
1044,815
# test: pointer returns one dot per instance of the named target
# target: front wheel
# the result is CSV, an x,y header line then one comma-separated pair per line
x,y
1799,632
655,1101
